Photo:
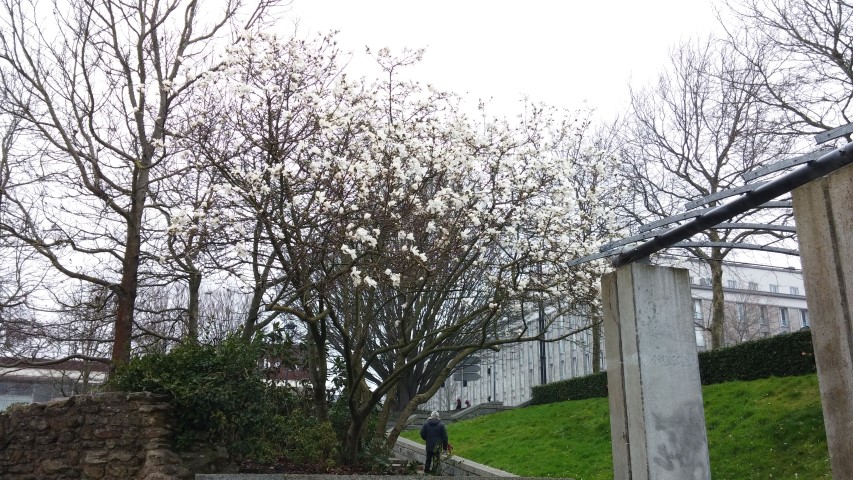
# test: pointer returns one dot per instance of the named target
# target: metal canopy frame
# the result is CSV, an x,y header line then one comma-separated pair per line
x,y
826,164
752,196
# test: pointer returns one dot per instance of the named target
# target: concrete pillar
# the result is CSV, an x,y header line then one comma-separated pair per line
x,y
657,418
823,210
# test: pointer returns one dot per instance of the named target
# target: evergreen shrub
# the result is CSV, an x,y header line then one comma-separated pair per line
x,y
220,392
578,388
783,355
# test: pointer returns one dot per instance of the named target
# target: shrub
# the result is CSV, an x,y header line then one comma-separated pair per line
x,y
214,389
778,356
220,391
578,388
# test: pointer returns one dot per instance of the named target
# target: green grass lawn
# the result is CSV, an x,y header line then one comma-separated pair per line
x,y
771,428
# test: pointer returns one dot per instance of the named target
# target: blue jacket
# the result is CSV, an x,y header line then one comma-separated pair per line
x,y
434,432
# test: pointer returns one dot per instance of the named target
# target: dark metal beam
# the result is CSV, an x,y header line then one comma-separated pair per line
x,y
826,164
783,164
721,226
731,192
740,246
834,133
697,213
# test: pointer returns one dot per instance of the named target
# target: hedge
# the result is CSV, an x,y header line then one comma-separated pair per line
x,y
778,356
783,355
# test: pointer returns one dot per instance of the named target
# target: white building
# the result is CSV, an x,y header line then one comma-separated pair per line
x,y
760,301
31,384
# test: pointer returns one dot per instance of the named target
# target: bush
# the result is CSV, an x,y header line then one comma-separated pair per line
x,y
778,356
578,388
220,391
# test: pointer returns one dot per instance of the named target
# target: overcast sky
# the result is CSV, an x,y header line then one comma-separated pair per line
x,y
559,52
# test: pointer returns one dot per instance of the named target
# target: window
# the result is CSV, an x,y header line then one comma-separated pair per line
x,y
740,312
804,317
700,337
783,317
732,283
774,288
705,282
697,309
752,286
795,291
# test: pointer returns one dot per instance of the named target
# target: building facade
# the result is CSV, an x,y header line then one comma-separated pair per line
x,y
760,301
20,383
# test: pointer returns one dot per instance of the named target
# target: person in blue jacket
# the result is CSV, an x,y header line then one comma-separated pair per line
x,y
434,433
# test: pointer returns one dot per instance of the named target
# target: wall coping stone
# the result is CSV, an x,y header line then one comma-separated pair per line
x,y
292,476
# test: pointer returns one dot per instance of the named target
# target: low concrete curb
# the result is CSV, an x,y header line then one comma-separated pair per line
x,y
453,466
282,476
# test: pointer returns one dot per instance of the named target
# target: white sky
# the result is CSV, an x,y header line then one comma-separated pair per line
x,y
560,52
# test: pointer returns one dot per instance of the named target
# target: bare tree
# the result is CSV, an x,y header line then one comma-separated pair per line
x,y
95,91
802,55
693,134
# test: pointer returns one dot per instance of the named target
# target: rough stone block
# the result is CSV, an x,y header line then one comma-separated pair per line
x,y
94,472
54,466
96,457
105,433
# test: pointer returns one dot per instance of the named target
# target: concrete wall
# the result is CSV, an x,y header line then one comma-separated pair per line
x,y
453,466
824,222
657,420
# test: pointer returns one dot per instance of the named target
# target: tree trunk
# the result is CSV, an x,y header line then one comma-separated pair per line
x,y
384,415
193,308
718,312
352,443
595,316
130,271
317,373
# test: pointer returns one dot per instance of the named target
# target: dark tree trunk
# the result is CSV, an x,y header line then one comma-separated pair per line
x,y
130,269
193,313
718,313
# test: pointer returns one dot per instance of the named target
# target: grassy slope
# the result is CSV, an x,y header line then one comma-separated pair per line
x,y
771,428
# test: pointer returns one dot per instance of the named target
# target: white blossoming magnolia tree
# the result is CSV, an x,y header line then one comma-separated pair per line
x,y
392,226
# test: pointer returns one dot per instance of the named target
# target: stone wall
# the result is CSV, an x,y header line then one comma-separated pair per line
x,y
102,436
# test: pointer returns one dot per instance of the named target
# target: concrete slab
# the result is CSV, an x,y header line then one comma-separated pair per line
x,y
248,476
657,417
822,210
